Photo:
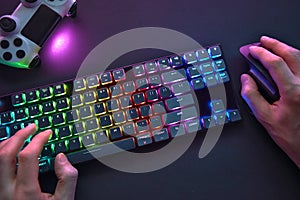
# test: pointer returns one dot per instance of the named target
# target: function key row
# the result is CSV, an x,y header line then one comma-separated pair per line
x,y
94,81
39,94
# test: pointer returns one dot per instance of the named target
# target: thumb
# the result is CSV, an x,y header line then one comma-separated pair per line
x,y
67,178
257,103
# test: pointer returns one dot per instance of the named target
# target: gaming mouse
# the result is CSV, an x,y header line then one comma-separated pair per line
x,y
260,74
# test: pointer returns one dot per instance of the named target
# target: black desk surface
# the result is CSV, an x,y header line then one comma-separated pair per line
x,y
245,163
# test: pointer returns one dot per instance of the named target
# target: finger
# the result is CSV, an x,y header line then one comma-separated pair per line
x,y
259,106
28,169
289,54
10,149
276,66
67,178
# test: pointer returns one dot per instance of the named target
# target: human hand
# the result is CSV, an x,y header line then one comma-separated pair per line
x,y
280,119
22,183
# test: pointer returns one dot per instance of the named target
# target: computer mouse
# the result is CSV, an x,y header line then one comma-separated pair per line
x,y
260,74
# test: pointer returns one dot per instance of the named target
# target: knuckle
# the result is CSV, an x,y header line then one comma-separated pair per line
x,y
24,156
70,174
293,53
276,61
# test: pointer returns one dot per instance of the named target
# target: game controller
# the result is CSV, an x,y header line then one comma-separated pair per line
x,y
23,33
260,74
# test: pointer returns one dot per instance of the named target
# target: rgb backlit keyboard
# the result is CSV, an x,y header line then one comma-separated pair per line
x,y
130,107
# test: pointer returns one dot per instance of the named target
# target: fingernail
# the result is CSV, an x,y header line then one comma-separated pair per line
x,y
251,48
264,38
31,126
61,158
244,79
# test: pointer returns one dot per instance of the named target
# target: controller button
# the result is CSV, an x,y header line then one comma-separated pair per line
x,y
8,24
20,54
4,44
7,56
18,42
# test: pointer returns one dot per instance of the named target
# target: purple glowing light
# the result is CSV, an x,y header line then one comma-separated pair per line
x,y
60,43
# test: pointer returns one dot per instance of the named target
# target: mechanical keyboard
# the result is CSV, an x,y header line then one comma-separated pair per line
x,y
129,107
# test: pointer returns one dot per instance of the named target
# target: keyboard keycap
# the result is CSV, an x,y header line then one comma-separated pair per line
x,y
116,90
63,104
151,67
113,105
179,102
99,109
101,137
142,125
35,111
198,84
180,88
60,90
103,94
234,115
208,122
64,131
206,68
190,57
88,140
92,125
177,130
164,64
144,139
193,126
180,115
139,70
176,61
139,98
32,96
18,99
3,133
217,106
173,76
105,121
47,151
79,85
49,107
46,93
59,119
160,135
106,78
129,87
215,52
72,116
115,133
119,117
119,75
152,95
21,114
44,122
210,80
13,128
89,97
76,100
74,144
7,118
165,92
155,81
129,129
60,147
126,102
202,55
85,112
78,128
92,81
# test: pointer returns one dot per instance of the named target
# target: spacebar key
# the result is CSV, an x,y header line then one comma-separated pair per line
x,y
102,150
